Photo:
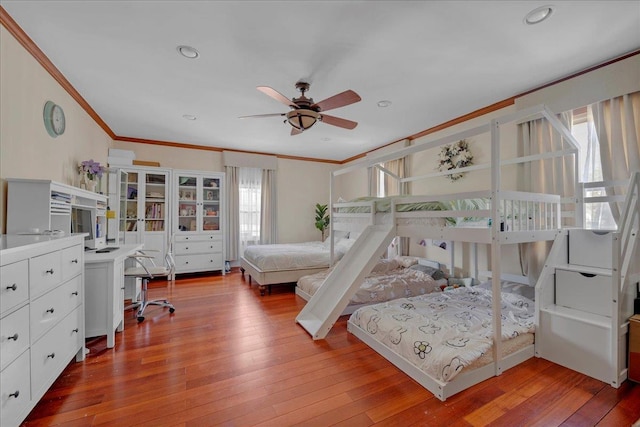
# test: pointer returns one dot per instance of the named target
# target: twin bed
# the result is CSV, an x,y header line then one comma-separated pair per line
x,y
286,263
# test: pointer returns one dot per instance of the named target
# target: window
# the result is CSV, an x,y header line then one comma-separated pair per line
x,y
597,215
250,183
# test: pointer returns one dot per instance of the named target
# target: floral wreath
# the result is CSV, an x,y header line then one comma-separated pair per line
x,y
453,156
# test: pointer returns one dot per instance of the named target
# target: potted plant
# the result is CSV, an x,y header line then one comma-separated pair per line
x,y
322,218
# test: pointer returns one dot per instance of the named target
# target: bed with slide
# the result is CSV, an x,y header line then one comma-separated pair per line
x,y
446,341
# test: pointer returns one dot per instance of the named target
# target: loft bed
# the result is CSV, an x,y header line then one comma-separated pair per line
x,y
288,262
493,217
389,279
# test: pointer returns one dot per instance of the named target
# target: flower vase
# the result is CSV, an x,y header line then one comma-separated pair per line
x,y
91,185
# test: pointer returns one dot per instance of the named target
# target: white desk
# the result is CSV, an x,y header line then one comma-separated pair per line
x,y
104,292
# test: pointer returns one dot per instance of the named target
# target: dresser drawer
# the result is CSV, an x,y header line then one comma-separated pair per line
x,y
586,292
15,284
199,238
198,247
45,272
14,335
202,262
51,354
15,391
47,310
72,262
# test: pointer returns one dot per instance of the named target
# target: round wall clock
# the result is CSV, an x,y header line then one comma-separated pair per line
x,y
54,121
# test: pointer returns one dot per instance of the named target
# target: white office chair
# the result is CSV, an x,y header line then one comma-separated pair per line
x,y
146,269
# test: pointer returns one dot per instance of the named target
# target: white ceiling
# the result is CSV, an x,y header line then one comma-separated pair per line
x,y
434,60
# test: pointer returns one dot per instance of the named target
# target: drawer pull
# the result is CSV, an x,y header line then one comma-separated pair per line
x,y
14,337
187,248
186,262
76,330
74,261
12,287
51,310
52,355
588,275
74,293
15,394
49,271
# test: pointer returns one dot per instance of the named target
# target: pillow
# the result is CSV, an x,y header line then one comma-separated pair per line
x,y
406,261
385,265
431,271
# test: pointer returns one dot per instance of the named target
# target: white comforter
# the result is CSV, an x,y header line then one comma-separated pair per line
x,y
440,333
290,256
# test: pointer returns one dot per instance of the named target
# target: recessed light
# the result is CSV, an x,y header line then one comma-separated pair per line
x,y
384,103
188,117
188,52
538,15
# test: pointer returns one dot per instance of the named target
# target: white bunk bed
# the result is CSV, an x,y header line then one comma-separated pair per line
x,y
508,217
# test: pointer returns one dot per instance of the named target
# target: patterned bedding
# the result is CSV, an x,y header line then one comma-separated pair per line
x,y
387,281
293,256
443,332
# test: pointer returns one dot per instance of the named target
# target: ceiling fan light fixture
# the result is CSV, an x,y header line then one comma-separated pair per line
x,y
302,119
538,15
188,52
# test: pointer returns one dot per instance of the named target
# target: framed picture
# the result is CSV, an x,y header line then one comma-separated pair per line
x,y
209,195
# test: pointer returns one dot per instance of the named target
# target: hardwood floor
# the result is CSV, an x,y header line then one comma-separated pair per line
x,y
231,357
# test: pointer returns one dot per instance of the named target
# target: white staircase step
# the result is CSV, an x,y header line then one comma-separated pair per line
x,y
607,272
579,315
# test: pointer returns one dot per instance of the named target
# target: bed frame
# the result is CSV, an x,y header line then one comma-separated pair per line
x,y
535,217
267,278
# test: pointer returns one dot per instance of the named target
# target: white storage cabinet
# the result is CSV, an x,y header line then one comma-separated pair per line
x,y
199,221
144,214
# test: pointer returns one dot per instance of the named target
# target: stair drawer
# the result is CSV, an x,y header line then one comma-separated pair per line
x,y
586,292
592,248
14,335
15,391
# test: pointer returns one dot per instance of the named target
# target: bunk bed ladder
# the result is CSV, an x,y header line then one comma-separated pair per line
x,y
326,305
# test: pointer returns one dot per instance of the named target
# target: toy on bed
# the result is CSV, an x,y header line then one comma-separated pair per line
x,y
389,279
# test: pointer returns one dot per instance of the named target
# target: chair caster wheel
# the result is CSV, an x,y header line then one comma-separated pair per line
x,y
140,319
171,310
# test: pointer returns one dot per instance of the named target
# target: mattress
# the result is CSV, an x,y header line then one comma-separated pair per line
x,y
442,333
293,256
381,285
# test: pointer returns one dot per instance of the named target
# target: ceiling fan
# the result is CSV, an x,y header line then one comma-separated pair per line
x,y
305,113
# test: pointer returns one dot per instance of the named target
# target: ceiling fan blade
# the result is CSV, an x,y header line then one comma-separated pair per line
x,y
262,115
277,96
295,131
337,121
347,97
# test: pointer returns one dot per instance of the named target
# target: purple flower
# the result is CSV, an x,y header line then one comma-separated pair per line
x,y
92,169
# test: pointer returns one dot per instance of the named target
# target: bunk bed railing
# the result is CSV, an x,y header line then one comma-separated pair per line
x,y
628,226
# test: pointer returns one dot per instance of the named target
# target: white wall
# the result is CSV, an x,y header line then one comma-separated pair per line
x,y
26,149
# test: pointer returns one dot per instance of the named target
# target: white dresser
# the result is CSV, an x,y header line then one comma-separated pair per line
x,y
41,317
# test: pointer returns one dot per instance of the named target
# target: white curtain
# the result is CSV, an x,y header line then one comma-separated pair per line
x,y
617,126
268,208
249,203
233,227
552,176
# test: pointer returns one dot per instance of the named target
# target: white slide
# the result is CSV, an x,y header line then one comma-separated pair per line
x,y
329,301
